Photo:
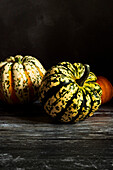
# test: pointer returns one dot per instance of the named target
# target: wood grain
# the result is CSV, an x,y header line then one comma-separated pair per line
x,y
30,140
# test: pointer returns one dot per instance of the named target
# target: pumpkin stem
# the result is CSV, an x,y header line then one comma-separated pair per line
x,y
81,81
18,58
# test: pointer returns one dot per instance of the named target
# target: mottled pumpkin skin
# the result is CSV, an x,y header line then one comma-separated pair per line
x,y
20,78
63,98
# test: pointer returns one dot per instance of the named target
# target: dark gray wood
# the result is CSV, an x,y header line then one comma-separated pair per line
x,y
30,140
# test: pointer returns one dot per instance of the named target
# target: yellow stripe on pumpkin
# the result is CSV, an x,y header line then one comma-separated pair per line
x,y
31,90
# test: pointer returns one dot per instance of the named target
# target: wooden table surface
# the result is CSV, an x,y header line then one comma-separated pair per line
x,y
30,140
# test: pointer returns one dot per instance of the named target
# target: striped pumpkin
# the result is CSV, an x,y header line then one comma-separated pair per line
x,y
69,92
20,78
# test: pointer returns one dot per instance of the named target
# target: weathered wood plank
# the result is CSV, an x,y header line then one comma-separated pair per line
x,y
29,139
92,128
58,154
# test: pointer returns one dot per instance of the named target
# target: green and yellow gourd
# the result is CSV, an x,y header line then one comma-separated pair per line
x,y
69,92
20,78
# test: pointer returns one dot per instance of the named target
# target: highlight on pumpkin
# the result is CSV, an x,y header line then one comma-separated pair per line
x,y
107,89
20,78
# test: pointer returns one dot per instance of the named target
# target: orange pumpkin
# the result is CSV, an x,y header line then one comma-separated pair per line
x,y
107,89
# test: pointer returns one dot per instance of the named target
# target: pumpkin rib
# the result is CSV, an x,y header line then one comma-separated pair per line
x,y
86,107
19,78
36,63
32,72
52,82
2,64
2,97
72,110
63,70
53,90
11,87
81,70
52,77
65,112
90,106
31,91
5,82
91,78
40,73
61,103
58,71
67,66
96,101
95,96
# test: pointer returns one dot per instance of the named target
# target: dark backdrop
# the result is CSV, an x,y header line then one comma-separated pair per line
x,y
59,30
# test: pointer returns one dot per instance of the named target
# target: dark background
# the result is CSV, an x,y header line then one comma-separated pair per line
x,y
59,30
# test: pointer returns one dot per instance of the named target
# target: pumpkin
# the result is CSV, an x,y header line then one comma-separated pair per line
x,y
69,92
20,78
107,89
